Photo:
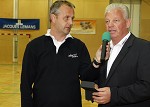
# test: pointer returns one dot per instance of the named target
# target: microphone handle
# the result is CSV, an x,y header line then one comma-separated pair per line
x,y
103,53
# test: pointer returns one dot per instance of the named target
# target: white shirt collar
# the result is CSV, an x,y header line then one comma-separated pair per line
x,y
57,43
48,34
115,49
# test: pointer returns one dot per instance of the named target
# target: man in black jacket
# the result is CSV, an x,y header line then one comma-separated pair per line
x,y
54,63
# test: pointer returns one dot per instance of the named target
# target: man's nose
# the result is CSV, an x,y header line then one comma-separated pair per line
x,y
110,23
71,21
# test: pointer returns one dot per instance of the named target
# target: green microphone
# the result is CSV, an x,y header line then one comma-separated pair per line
x,y
105,39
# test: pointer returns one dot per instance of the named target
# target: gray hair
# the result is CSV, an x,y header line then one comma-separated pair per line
x,y
121,7
54,9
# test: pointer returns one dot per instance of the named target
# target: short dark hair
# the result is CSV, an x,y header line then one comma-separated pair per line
x,y
57,4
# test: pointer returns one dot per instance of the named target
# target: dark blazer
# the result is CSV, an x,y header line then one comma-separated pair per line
x,y
129,76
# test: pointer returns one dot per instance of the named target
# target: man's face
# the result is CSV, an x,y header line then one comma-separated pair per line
x,y
116,24
64,20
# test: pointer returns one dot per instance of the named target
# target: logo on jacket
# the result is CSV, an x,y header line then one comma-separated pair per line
x,y
73,55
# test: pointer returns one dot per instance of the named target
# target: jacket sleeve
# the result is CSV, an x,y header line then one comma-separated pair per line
x,y
87,71
27,77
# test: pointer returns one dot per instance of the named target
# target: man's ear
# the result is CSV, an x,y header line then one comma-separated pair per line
x,y
128,23
52,18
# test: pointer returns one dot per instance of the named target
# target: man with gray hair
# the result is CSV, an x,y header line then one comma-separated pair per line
x,y
124,80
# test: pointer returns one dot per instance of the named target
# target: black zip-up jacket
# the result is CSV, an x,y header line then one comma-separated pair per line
x,y
52,80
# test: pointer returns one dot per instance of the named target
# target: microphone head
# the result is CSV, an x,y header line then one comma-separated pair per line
x,y
106,36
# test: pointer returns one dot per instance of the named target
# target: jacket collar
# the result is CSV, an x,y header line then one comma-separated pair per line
x,y
121,55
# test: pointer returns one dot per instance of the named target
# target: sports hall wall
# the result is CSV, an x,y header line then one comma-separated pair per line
x,y
38,9
145,20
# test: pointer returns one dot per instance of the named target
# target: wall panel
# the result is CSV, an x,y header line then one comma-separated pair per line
x,y
145,20
85,9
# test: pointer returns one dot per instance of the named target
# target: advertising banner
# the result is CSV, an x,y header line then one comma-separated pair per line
x,y
20,24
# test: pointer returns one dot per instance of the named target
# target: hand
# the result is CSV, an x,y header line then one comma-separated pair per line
x,y
103,96
98,53
107,51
